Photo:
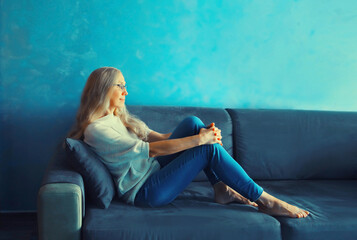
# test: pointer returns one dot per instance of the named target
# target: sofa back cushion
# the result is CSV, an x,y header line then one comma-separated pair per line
x,y
164,119
295,144
99,184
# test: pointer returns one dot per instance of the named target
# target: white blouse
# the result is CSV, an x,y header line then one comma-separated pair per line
x,y
123,153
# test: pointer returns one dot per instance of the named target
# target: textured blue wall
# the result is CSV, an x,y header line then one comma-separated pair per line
x,y
248,54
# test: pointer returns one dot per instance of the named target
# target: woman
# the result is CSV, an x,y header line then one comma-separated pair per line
x,y
149,168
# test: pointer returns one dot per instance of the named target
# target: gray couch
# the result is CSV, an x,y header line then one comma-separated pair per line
x,y
306,158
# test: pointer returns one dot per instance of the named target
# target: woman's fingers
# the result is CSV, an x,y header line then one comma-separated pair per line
x,y
218,139
216,133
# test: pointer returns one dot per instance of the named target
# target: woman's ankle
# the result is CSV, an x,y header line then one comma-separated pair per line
x,y
265,200
220,187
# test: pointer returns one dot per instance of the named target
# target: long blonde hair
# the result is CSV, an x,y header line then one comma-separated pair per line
x,y
95,102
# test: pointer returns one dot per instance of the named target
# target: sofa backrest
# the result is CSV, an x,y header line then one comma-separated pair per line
x,y
295,144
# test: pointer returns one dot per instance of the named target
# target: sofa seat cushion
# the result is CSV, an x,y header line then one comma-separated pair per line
x,y
332,205
193,215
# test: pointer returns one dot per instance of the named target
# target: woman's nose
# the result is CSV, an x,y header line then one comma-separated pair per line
x,y
124,93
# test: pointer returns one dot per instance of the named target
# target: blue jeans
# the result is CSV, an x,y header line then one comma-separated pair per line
x,y
179,169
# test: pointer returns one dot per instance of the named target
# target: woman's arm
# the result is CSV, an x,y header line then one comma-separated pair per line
x,y
155,136
166,147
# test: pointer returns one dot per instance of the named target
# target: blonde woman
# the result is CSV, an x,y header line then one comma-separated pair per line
x,y
150,168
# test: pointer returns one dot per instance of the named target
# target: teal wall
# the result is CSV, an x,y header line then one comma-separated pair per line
x,y
245,54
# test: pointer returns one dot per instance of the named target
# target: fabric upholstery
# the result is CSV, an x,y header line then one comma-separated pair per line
x,y
164,119
306,158
193,215
332,205
59,171
60,211
296,144
97,179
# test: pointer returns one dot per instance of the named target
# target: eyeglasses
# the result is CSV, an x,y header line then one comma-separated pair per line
x,y
121,86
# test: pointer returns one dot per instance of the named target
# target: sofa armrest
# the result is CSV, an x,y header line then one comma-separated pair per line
x,y
58,175
61,200
59,211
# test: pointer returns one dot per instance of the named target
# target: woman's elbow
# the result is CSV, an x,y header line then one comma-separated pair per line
x,y
156,149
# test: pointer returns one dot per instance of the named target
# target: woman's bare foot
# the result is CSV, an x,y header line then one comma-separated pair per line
x,y
276,207
223,194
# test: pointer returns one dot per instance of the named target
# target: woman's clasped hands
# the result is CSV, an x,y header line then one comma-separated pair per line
x,y
210,135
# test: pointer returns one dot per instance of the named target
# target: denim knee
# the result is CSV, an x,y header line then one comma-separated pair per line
x,y
193,121
211,149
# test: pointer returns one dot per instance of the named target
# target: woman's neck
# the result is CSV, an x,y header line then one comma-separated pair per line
x,y
109,111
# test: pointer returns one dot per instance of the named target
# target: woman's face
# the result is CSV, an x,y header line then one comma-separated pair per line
x,y
117,99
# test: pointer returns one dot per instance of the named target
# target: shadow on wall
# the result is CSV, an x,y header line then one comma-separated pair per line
x,y
29,142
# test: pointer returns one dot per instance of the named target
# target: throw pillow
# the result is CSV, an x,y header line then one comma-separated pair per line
x,y
99,185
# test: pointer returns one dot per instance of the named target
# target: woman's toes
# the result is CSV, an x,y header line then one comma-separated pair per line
x,y
253,204
303,214
248,202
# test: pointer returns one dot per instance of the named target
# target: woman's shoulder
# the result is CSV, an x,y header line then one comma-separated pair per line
x,y
100,127
108,120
